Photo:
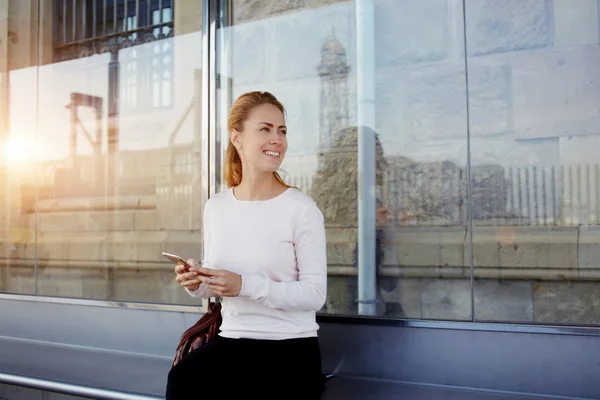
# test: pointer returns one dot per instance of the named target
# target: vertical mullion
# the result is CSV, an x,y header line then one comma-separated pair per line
x,y
115,20
74,30
160,12
137,13
104,16
149,12
55,24
84,17
64,21
125,16
94,18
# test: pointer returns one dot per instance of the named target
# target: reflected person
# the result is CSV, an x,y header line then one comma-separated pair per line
x,y
335,189
265,256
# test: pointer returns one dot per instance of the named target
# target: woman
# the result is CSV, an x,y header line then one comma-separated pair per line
x,y
265,257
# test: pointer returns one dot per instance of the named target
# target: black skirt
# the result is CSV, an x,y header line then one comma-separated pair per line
x,y
248,368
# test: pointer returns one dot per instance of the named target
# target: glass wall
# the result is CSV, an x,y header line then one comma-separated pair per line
x,y
310,59
534,102
456,114
103,163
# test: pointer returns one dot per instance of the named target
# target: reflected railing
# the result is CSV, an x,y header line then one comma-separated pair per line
x,y
435,194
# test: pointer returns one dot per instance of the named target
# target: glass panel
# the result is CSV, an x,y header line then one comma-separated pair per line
x,y
307,54
118,160
17,146
534,87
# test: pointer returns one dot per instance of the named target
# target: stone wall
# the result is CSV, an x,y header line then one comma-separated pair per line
x,y
541,274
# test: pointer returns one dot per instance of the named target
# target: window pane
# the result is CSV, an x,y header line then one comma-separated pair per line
x,y
535,110
118,166
416,224
17,147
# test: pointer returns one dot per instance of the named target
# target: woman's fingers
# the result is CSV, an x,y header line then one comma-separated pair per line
x,y
212,281
186,276
190,282
209,272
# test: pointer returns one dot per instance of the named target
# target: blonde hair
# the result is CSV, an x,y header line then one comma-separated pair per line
x,y
237,116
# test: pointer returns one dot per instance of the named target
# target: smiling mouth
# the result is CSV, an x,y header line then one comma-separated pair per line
x,y
272,153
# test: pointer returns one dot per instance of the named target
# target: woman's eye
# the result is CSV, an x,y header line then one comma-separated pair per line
x,y
265,129
283,132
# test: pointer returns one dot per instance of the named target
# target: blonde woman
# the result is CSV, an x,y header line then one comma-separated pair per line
x,y
265,256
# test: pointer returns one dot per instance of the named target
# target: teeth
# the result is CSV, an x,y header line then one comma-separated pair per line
x,y
272,153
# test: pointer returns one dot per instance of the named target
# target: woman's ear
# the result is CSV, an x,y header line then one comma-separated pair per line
x,y
234,136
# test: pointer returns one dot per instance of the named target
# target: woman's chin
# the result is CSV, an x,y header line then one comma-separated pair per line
x,y
272,167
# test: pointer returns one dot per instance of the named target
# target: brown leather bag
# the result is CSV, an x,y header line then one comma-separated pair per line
x,y
200,333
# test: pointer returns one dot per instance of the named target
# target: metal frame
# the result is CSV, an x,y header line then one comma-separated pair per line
x,y
70,389
210,67
487,326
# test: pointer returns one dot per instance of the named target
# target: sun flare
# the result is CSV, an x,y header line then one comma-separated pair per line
x,y
17,151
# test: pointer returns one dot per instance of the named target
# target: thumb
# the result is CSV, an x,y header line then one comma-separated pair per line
x,y
193,263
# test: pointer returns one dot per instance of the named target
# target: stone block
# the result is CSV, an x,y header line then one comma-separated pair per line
x,y
436,103
431,247
86,221
146,220
545,248
495,26
562,98
509,301
407,294
446,299
340,254
576,26
391,107
505,150
153,286
412,31
567,302
490,99
18,278
589,247
245,10
89,283
341,295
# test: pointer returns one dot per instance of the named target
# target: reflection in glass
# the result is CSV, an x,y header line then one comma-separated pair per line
x,y
307,56
17,147
117,171
535,108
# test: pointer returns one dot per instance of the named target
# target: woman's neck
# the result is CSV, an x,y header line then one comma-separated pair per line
x,y
255,187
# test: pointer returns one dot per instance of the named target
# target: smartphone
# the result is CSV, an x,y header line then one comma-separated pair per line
x,y
175,259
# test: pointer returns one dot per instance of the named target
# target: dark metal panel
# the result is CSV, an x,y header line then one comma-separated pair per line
x,y
563,365
113,329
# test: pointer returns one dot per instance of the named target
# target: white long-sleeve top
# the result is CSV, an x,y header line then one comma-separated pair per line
x,y
278,247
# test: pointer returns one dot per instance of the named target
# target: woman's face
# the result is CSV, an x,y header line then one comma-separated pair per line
x,y
263,142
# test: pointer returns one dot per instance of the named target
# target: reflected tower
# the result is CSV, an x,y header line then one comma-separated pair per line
x,y
333,71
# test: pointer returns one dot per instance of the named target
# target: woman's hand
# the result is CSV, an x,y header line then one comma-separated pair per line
x,y
188,278
221,282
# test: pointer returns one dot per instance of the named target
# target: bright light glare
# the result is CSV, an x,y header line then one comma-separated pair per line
x,y
17,151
